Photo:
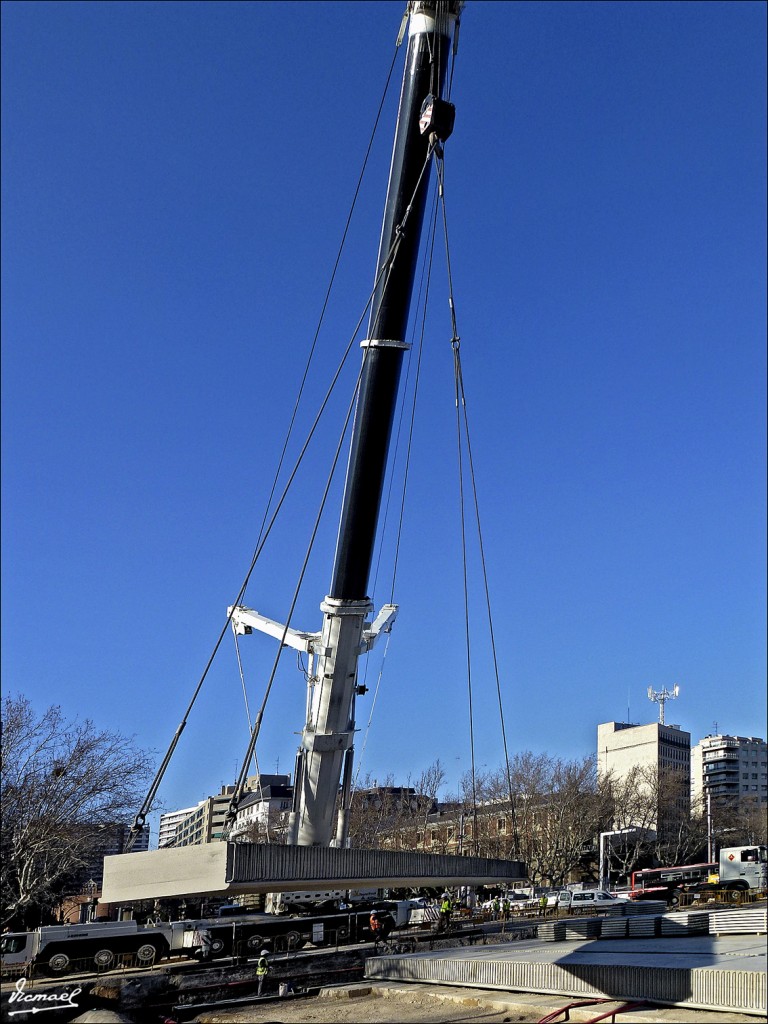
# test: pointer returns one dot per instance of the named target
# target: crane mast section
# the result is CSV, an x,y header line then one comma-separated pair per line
x,y
326,746
325,756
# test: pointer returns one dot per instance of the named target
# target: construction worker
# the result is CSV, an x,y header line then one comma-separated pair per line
x,y
496,908
203,939
262,969
446,907
505,907
543,906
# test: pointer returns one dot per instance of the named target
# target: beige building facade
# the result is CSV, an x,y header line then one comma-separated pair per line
x,y
622,747
733,768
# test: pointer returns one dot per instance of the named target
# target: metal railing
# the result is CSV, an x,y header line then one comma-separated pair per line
x,y
732,897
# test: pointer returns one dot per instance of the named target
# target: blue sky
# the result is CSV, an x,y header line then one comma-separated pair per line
x,y
176,178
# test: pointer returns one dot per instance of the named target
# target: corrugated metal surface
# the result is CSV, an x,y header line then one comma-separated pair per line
x,y
739,922
691,923
631,907
259,864
643,926
614,929
702,988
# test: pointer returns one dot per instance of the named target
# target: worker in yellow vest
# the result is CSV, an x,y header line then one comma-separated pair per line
x,y
262,970
446,907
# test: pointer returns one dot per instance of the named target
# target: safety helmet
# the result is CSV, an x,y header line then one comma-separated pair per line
x,y
264,952
374,913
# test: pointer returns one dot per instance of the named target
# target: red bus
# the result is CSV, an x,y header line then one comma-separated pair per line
x,y
667,883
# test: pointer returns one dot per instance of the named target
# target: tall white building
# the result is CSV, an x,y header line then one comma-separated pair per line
x,y
733,767
622,748
204,823
169,823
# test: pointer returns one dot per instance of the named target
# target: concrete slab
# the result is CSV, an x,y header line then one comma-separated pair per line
x,y
726,974
232,868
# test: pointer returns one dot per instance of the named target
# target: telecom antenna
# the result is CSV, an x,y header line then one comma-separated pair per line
x,y
660,697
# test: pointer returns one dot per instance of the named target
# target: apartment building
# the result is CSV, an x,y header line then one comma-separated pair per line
x,y
169,824
205,822
733,768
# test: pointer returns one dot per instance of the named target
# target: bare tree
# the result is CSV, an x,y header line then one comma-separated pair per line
x,y
738,822
560,808
682,834
63,783
633,799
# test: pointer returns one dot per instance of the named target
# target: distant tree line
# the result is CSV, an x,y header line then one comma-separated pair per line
x,y
549,813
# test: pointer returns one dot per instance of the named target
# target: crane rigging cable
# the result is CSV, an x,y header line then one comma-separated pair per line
x,y
462,426
140,818
326,300
383,273
268,521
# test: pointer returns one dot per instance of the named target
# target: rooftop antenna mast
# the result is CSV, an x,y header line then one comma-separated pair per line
x,y
660,697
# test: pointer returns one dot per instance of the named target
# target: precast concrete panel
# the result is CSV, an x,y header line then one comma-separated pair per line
x,y
735,982
232,868
158,873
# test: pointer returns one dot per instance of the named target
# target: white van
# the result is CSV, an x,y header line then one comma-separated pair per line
x,y
589,899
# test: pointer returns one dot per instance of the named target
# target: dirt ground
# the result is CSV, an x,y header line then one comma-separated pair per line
x,y
391,1004
363,1010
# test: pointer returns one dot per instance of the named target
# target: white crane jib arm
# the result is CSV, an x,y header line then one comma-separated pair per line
x,y
245,620
328,733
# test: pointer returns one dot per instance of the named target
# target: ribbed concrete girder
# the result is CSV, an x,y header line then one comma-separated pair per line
x,y
232,868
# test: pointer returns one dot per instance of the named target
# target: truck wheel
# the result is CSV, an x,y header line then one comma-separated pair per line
x,y
674,898
255,942
294,940
147,954
734,896
58,964
104,960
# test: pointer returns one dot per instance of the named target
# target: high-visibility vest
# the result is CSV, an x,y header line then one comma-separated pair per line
x,y
262,967
445,907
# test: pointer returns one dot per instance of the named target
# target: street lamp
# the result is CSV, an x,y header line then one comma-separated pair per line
x,y
604,866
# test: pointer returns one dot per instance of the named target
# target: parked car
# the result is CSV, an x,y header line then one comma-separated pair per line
x,y
586,898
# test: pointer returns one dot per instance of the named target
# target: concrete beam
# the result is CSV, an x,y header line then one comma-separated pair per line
x,y
232,868
188,871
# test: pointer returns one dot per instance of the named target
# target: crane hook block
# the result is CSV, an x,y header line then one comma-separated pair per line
x,y
437,116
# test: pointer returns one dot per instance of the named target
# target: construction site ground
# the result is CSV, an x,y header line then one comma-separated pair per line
x,y
385,1002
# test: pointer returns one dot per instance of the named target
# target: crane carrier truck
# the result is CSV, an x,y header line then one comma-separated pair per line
x,y
57,950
